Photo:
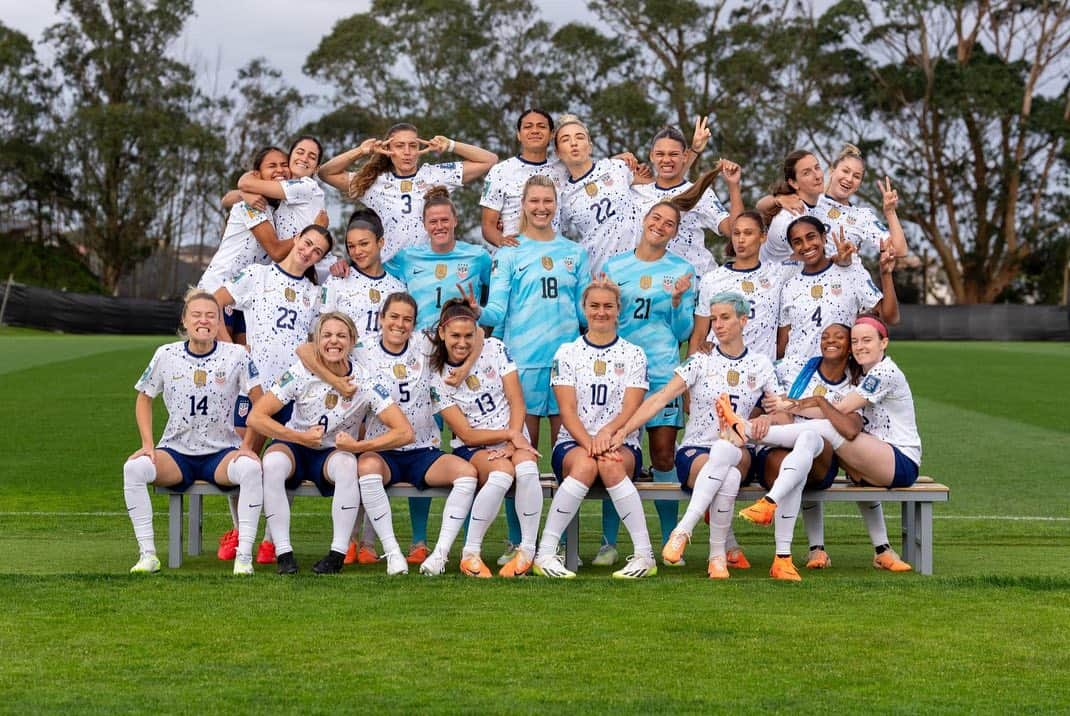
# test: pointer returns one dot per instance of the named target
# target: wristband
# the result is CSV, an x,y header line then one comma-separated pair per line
x,y
452,146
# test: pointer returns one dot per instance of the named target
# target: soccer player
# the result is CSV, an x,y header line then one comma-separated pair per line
x,y
599,380
315,444
393,183
803,181
486,414
200,379
657,299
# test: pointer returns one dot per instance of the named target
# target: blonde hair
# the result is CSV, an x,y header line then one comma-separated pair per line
x,y
849,151
438,195
566,119
536,180
604,284
317,327
195,293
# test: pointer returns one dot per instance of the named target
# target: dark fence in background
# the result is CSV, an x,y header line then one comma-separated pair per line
x,y
83,313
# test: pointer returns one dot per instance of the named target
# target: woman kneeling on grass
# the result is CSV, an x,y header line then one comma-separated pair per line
x,y
200,379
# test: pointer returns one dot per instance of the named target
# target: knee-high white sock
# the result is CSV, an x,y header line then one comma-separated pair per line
x,y
528,504
485,508
137,474
277,467
796,467
729,539
723,456
342,470
814,520
566,504
722,510
630,508
247,474
368,531
873,516
267,527
377,511
785,436
458,504
232,503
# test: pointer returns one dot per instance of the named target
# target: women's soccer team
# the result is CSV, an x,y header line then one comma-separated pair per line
x,y
599,273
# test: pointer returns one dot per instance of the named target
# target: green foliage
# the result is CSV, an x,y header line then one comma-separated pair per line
x,y
35,263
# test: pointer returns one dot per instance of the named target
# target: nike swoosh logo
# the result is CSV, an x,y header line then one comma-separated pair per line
x,y
131,509
376,519
564,512
351,507
251,507
478,519
523,268
625,516
268,517
455,517
530,514
417,270
721,511
785,469
787,517
621,283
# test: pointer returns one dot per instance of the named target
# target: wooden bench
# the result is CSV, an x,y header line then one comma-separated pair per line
x,y
916,503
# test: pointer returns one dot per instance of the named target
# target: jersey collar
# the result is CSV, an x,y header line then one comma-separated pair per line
x,y
659,187
725,355
543,163
577,180
405,176
185,345
392,353
731,267
284,272
600,347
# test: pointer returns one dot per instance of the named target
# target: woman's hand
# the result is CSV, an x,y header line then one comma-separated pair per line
x,y
731,172
322,219
246,452
629,159
759,427
887,258
311,438
340,268
792,202
889,196
366,148
256,201
701,136
844,249
520,441
680,288
437,144
149,452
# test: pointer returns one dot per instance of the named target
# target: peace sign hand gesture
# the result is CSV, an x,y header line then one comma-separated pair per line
x,y
889,196
701,136
438,144
844,249
469,297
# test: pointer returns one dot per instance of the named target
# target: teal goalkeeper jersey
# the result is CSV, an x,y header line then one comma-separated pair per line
x,y
534,301
647,317
432,278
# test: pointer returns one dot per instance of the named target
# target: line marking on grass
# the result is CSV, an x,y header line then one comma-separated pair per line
x,y
1004,518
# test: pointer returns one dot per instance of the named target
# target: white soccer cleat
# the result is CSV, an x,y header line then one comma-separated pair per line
x,y
434,565
147,564
243,565
637,568
550,565
607,556
396,563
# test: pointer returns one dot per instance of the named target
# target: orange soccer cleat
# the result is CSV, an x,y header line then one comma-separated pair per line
x,y
733,427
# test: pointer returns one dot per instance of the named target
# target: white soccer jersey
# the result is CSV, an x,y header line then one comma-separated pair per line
x,y
279,312
304,200
238,248
599,210
860,225
399,202
889,411
818,385
600,375
504,186
690,241
408,375
776,249
745,378
199,392
810,302
761,286
481,397
360,297
316,403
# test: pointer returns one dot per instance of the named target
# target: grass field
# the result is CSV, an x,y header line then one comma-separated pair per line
x,y
987,633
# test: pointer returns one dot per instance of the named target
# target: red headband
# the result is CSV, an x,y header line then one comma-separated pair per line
x,y
460,315
882,331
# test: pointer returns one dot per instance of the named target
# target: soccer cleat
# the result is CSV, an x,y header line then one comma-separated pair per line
x,y
266,553
760,513
330,564
472,565
228,546
287,563
146,564
551,566
434,565
673,551
508,554
784,570
818,559
637,568
396,563
351,554
366,555
418,554
717,568
243,565
681,563
889,560
733,427
607,556
736,559
517,566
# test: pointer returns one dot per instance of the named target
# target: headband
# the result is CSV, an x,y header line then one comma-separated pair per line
x,y
882,331
459,315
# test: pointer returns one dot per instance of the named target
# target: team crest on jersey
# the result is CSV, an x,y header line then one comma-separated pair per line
x,y
591,189
220,377
821,391
421,185
547,263
290,294
667,283
400,371
835,213
472,382
764,282
837,289
732,377
850,219
570,263
747,286
462,271
441,271
491,373
200,378
346,403
752,381
606,179
243,408
817,291
228,310
618,367
645,282
306,300
373,295
599,367
331,400
405,186
870,383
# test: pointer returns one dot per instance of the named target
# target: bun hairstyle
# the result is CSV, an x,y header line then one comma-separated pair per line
x,y
453,309
438,195
849,151
376,165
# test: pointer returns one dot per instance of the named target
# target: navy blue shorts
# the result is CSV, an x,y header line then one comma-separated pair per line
x,y
234,321
906,472
685,458
308,465
465,452
756,472
198,467
830,476
557,459
411,465
244,405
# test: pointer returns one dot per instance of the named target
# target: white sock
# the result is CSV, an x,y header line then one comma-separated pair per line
x,y
729,535
796,466
485,508
247,474
814,519
342,471
458,504
630,508
368,533
137,474
722,510
567,500
873,516
377,511
723,456
232,504
277,467
730,541
785,436
528,504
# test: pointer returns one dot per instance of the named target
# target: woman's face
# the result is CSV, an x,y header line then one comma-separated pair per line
x,y
808,243
309,248
726,323
459,337
809,179
667,156
573,144
747,237
867,346
440,224
534,133
835,342
404,151
660,226
397,321
201,319
334,341
304,159
601,309
539,206
364,248
274,167
845,179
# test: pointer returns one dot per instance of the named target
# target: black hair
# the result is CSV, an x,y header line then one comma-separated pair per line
x,y
451,309
670,133
309,137
538,111
365,219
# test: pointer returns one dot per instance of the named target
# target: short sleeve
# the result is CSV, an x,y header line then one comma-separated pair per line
x,y
493,196
285,388
770,380
242,287
637,375
690,369
877,384
508,365
299,191
562,372
250,376
151,381
712,211
250,216
378,398
449,174
868,293
705,293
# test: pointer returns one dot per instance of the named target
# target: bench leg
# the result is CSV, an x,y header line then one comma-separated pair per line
x,y
196,516
174,530
910,532
924,518
572,544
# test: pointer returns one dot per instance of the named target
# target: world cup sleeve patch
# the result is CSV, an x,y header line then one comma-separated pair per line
x,y
381,391
870,384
